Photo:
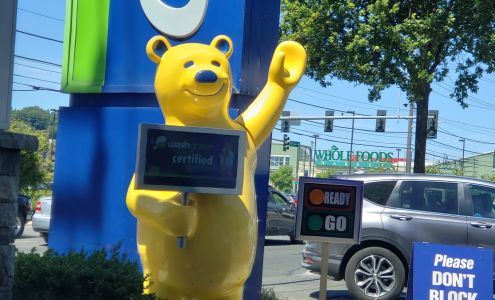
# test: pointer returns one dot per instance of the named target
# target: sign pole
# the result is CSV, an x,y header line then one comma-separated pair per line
x,y
324,270
181,240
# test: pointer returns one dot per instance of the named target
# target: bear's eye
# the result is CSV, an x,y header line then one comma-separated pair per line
x,y
188,64
215,63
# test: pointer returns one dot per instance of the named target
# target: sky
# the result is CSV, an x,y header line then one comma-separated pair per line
x,y
38,64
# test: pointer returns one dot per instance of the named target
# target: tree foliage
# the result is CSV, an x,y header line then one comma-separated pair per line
x,y
282,178
35,116
36,167
327,173
408,44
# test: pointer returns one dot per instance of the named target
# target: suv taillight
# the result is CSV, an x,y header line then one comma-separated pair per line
x,y
38,207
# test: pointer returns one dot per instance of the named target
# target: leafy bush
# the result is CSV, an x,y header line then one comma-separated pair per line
x,y
78,275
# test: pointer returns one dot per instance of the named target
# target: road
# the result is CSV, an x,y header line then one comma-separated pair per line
x,y
283,273
281,268
29,240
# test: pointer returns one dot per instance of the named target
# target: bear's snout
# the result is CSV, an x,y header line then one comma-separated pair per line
x,y
206,76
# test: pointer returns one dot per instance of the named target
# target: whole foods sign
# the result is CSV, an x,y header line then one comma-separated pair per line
x,y
365,159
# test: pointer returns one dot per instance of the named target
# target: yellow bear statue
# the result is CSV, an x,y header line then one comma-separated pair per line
x,y
193,86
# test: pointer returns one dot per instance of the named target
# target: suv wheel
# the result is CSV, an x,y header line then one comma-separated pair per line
x,y
19,225
375,273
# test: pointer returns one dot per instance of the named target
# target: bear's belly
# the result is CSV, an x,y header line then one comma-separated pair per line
x,y
217,258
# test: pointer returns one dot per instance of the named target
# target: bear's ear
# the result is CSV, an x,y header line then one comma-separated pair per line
x,y
153,44
224,44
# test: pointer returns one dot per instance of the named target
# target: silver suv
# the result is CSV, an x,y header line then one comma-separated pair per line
x,y
400,209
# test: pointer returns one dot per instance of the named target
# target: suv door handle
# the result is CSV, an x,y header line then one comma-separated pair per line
x,y
401,217
480,225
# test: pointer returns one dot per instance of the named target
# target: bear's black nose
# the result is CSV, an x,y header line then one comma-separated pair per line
x,y
206,76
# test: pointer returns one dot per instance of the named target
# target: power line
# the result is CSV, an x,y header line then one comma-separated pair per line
x,y
357,129
37,60
39,36
37,68
483,104
37,88
457,148
467,139
342,98
36,78
467,124
36,13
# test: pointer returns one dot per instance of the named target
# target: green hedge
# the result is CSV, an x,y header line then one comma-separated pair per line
x,y
101,274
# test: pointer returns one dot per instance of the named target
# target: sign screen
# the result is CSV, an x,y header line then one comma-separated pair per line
x,y
191,159
330,210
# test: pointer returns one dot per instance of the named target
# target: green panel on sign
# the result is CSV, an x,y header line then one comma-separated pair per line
x,y
294,144
85,45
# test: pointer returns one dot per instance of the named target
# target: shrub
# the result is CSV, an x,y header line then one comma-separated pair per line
x,y
78,275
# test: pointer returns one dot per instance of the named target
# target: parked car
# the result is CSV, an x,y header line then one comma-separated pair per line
x,y
41,217
281,215
292,198
24,214
399,210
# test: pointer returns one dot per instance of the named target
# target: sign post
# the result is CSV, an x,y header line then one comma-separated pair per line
x,y
330,211
324,270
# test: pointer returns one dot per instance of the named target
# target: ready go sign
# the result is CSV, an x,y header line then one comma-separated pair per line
x,y
330,210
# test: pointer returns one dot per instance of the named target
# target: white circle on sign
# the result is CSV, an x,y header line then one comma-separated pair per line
x,y
176,22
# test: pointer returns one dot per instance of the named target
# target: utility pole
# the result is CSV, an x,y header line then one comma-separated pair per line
x,y
409,138
352,140
51,140
463,149
314,160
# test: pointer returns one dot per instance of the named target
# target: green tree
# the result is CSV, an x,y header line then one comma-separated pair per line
x,y
326,173
282,178
35,116
408,44
434,169
36,167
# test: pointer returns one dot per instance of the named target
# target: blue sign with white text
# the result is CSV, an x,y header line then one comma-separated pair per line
x,y
440,272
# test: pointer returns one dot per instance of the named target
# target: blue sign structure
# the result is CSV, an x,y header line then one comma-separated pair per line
x,y
111,80
440,272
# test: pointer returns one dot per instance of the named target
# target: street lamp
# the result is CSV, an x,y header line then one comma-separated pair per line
x,y
314,160
352,140
463,149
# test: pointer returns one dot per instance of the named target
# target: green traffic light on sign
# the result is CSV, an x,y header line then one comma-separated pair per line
x,y
315,222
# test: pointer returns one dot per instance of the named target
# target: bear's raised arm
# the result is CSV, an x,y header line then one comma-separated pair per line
x,y
286,69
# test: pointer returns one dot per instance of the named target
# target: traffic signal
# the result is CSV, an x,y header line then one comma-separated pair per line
x,y
380,122
286,142
285,123
432,124
328,122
